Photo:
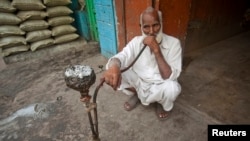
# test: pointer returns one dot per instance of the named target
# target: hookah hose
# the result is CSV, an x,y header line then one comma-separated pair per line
x,y
99,86
123,70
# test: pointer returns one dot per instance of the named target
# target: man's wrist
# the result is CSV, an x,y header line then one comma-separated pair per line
x,y
114,62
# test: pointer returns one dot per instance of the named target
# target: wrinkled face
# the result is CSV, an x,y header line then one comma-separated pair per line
x,y
150,24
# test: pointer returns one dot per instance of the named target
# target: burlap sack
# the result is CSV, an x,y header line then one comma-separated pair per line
x,y
62,30
15,50
28,4
66,38
56,2
9,19
9,30
38,35
31,15
5,6
58,11
41,44
33,25
62,20
11,41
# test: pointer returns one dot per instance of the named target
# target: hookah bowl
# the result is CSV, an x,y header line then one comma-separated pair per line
x,y
80,78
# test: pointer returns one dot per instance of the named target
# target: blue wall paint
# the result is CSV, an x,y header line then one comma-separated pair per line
x,y
106,27
81,24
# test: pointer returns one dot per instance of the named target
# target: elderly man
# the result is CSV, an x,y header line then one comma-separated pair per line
x,y
153,77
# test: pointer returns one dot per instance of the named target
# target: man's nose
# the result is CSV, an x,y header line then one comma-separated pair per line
x,y
151,30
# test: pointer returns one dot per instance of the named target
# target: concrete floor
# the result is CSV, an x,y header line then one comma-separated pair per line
x,y
35,103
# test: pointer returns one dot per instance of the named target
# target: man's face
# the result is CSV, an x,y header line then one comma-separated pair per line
x,y
150,24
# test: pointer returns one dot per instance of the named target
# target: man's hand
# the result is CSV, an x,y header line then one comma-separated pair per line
x,y
152,43
112,76
164,68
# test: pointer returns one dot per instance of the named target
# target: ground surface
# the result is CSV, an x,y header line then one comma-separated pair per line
x,y
36,105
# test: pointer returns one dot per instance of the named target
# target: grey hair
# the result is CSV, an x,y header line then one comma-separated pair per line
x,y
150,10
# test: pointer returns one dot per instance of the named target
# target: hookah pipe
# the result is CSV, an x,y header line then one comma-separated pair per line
x,y
83,84
101,83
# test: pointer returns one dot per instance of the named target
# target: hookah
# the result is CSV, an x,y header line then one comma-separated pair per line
x,y
80,78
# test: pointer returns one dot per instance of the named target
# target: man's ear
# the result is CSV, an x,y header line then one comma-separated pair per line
x,y
140,25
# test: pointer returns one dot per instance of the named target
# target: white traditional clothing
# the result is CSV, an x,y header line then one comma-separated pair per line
x,y
144,75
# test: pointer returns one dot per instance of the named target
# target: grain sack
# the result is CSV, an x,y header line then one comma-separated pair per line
x,y
32,25
14,50
5,6
56,2
31,15
66,38
11,41
58,11
62,20
9,19
28,4
9,30
62,30
41,44
38,35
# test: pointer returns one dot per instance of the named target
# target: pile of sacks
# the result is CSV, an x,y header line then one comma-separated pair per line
x,y
33,24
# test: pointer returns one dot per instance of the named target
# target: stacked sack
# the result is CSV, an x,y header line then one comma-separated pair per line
x,y
33,16
11,36
60,21
33,24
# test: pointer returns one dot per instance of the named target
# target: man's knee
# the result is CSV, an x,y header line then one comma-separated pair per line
x,y
172,89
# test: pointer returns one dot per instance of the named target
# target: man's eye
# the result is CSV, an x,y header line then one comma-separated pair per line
x,y
156,25
145,27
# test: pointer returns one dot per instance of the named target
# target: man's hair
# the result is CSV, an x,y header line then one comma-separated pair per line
x,y
151,10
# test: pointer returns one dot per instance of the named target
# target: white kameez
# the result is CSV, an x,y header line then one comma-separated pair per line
x,y
144,75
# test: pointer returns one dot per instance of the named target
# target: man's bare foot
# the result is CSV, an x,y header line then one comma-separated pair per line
x,y
131,103
161,113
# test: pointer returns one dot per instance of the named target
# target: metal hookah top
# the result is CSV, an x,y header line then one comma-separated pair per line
x,y
80,77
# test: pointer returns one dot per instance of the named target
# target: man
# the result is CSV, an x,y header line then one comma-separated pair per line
x,y
153,77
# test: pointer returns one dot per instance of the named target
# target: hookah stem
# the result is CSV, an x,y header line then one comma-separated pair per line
x,y
91,124
101,83
90,117
95,109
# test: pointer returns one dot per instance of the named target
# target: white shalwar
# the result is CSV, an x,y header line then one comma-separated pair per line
x,y
144,75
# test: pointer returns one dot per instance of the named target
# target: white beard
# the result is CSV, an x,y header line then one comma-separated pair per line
x,y
158,36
